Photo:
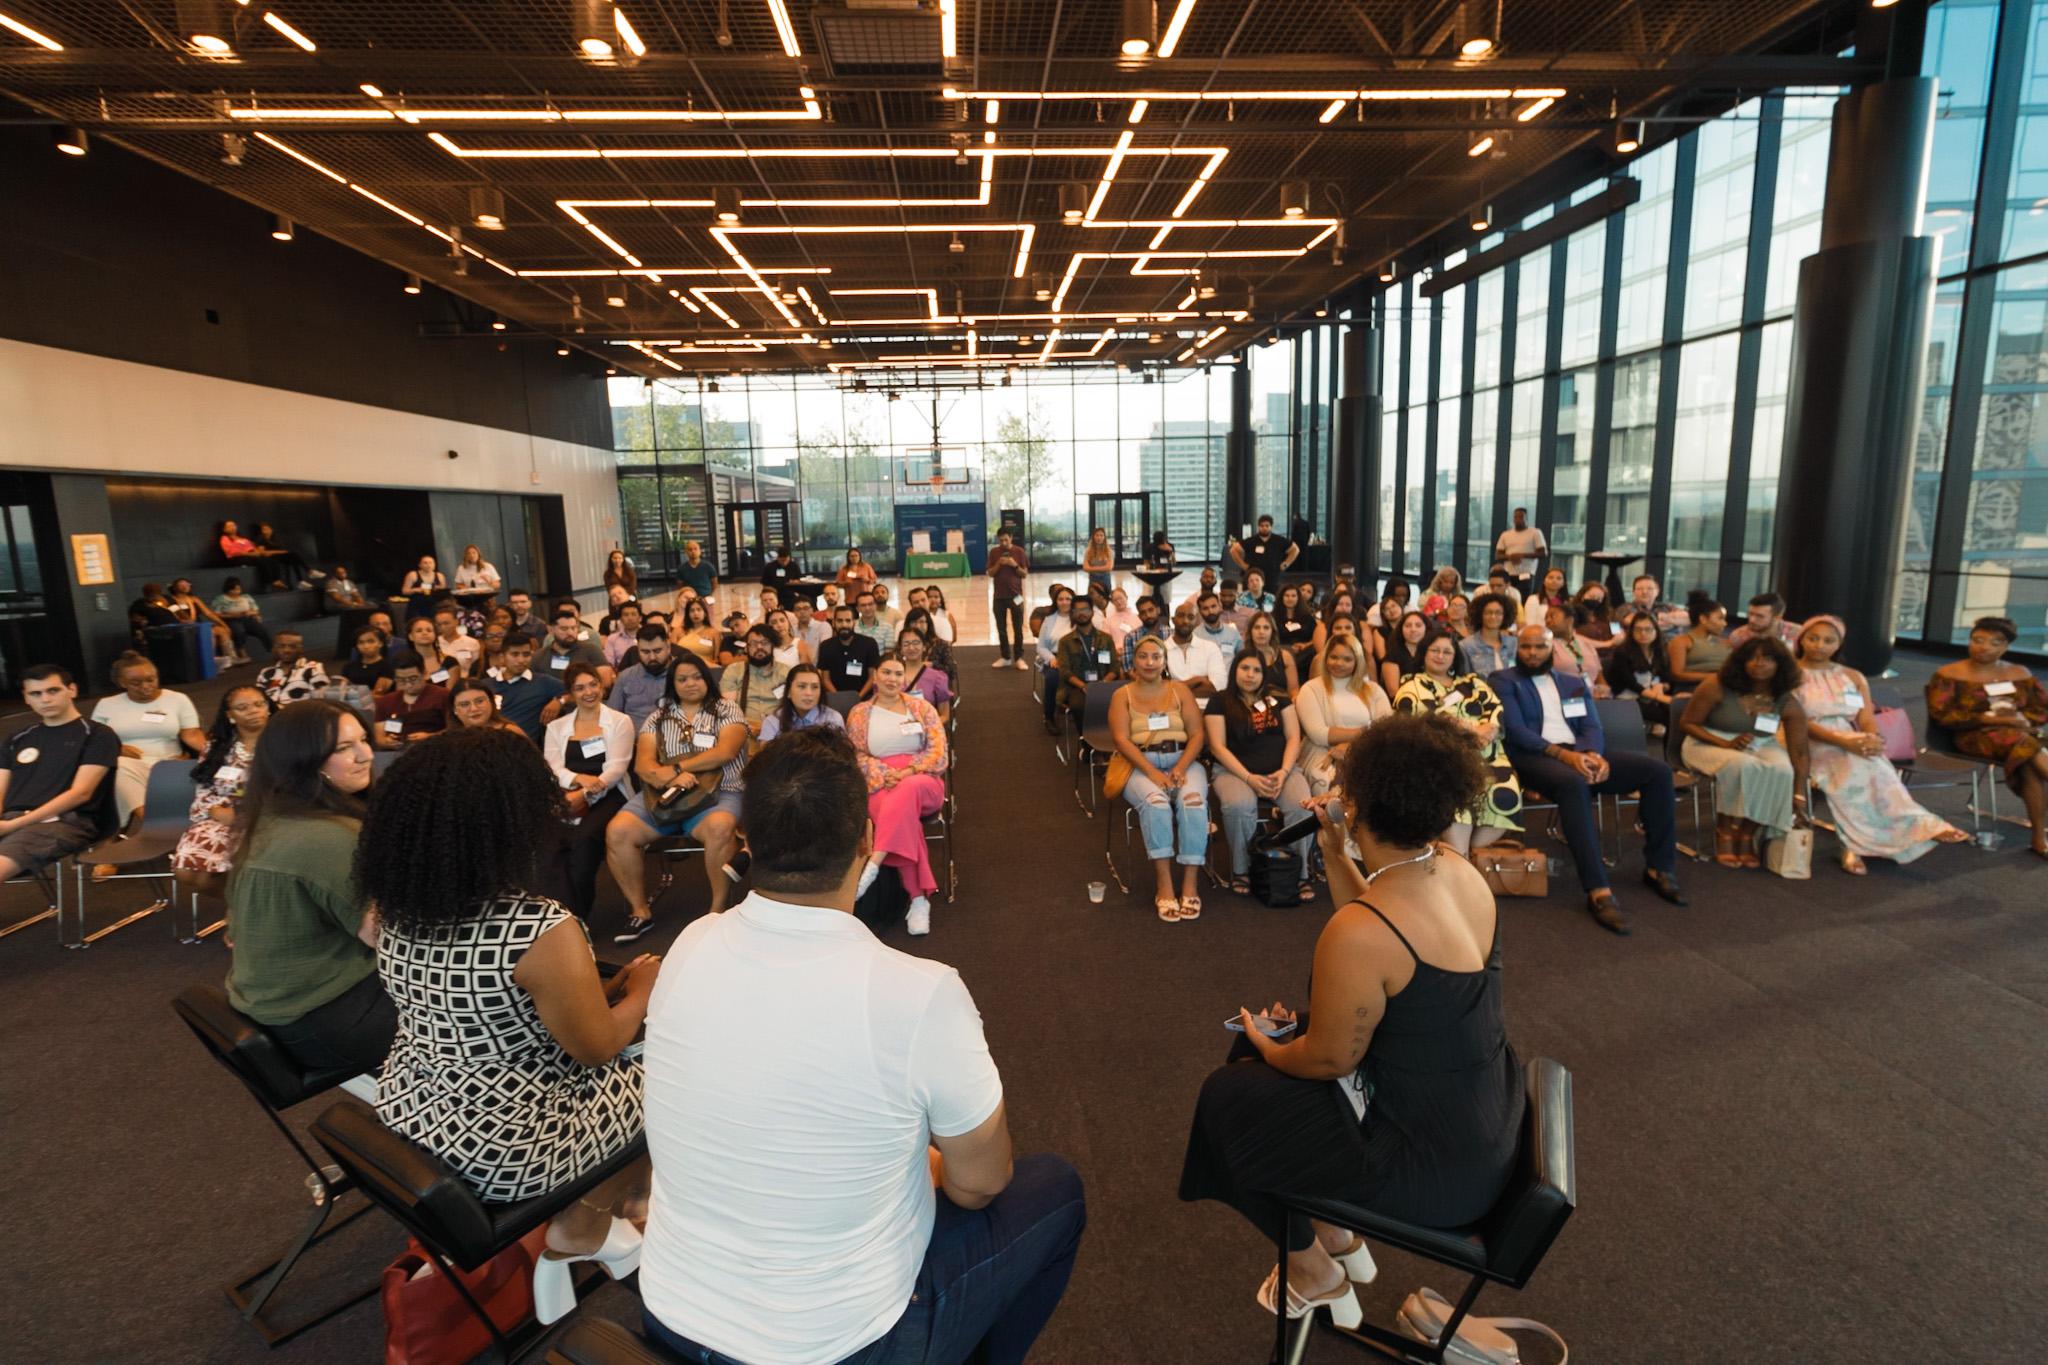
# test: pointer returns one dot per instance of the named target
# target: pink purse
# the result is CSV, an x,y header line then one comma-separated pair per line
x,y
1896,729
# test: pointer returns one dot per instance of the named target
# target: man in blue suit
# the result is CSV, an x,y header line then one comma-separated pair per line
x,y
1554,739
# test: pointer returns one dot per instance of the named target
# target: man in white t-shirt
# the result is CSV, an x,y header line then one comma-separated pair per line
x,y
810,1095
1520,549
1191,659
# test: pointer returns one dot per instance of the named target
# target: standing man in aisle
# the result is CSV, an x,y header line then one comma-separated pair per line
x,y
1006,569
1266,552
693,573
1520,550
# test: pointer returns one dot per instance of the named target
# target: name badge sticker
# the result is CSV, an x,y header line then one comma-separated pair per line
x,y
1767,723
228,773
1574,707
703,741
1454,699
394,727
1155,722
594,748
853,668
156,715
1102,656
559,661
439,677
2002,688
1853,697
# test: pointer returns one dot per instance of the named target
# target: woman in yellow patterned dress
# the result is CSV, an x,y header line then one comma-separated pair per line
x,y
1471,701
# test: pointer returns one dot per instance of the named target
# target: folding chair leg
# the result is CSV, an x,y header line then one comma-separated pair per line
x,y
53,893
272,1273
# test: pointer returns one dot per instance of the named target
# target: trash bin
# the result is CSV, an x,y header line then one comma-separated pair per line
x,y
182,653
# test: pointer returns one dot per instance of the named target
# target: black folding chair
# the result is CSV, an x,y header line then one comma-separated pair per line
x,y
166,815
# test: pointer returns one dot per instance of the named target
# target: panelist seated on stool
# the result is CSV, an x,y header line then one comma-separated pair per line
x,y
1556,744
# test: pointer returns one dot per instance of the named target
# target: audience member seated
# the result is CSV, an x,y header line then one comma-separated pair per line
x,y
615,597
380,619
1640,667
1559,750
238,549
1874,815
789,649
1334,708
937,652
298,920
732,640
473,705
754,681
922,678
919,1238
640,681
424,585
423,639
1262,637
1341,606
475,577
624,636
590,748
872,624
367,666
291,676
1404,646
1458,617
883,610
695,632
1084,655
848,658
187,605
523,694
901,743
802,705
151,608
1698,651
1401,1092
1746,728
567,643
1766,617
1297,626
413,710
452,643
520,603
152,722
809,625
1646,594
343,593
1444,584
1253,595
619,571
1157,726
1191,660
855,576
205,852
1570,655
694,740
282,559
1214,628
1471,701
1536,606
1121,619
511,1062
1254,747
53,776
1995,711
1593,619
1152,624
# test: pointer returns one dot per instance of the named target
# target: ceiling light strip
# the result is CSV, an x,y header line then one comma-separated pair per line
x,y
1175,26
1116,159
949,29
1329,114
271,18
1255,96
627,34
42,40
779,12
1023,250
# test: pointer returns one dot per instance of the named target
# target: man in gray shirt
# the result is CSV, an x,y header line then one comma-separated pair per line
x,y
567,645
638,688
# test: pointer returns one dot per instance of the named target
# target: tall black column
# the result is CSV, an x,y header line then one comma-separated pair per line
x,y
1859,345
1349,474
1239,453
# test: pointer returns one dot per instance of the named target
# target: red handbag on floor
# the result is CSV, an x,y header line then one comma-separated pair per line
x,y
426,1321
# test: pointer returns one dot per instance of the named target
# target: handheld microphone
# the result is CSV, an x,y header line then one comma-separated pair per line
x,y
1269,837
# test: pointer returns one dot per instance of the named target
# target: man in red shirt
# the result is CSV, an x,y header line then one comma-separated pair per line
x,y
1006,569
414,709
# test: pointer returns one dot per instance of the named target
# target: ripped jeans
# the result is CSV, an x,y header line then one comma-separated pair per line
x,y
1172,829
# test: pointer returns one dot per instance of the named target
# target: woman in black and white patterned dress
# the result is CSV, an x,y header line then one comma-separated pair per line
x,y
512,1061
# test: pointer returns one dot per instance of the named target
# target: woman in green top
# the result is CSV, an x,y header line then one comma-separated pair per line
x,y
303,940
1746,728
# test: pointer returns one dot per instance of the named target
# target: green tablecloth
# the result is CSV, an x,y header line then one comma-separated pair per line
x,y
934,565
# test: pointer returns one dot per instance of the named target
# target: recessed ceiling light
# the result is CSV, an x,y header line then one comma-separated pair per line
x,y
282,228
497,324
615,300
1140,22
1475,47
70,140
1294,197
412,284
487,207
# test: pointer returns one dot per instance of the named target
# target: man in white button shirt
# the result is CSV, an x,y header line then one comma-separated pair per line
x,y
1553,737
832,1167
1191,659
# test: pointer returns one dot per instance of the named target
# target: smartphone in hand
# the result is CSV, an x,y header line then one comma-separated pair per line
x,y
1271,1027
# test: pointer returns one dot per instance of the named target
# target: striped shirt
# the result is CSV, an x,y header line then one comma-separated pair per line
x,y
675,736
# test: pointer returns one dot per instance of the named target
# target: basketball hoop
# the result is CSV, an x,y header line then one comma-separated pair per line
x,y
938,482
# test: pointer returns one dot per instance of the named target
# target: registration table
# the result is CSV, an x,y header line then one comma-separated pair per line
x,y
934,564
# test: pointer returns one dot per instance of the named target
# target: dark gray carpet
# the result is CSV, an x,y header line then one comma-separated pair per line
x,y
1810,1115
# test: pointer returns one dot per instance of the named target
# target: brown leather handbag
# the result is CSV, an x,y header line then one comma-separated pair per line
x,y
1513,870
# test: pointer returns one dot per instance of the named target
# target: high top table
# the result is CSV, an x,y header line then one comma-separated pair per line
x,y
1616,561
1157,579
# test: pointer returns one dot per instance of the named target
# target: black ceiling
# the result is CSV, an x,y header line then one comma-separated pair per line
x,y
880,208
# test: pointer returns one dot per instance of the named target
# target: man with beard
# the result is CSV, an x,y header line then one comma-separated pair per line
x,y
638,689
848,659
1555,742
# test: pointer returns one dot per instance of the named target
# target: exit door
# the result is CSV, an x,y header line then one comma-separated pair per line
x,y
754,531
1127,517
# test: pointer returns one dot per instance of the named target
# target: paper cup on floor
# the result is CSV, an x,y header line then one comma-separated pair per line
x,y
1096,891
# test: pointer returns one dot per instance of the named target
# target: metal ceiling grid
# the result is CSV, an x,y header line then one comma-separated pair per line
x,y
873,120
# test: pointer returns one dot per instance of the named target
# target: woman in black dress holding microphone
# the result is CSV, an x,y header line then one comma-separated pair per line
x,y
1399,1090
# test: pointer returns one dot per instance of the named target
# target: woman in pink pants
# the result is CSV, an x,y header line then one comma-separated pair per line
x,y
902,747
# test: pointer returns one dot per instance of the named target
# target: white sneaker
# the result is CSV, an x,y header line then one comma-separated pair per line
x,y
1023,666
867,878
999,663
918,919
304,585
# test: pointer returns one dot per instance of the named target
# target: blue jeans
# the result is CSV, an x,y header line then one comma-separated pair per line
x,y
1177,829
991,1278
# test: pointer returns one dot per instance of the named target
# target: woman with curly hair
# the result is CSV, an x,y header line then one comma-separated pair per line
x,y
1471,701
205,853
1406,1001
301,928
510,1061
1746,729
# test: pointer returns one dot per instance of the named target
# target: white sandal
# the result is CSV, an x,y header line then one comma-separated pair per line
x,y
1169,909
1359,1266
1342,1302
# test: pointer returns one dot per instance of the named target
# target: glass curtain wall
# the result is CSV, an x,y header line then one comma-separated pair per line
x,y
1652,423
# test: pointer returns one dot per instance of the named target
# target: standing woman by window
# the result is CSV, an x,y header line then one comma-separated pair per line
x,y
475,577
855,575
590,750
1698,652
1470,701
205,852
1262,638
299,923
902,748
619,572
1158,729
1746,728
510,1064
1100,562
1254,743
1335,707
